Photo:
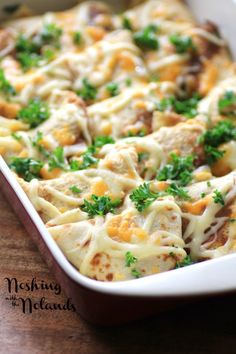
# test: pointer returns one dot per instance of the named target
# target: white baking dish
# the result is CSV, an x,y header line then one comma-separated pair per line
x,y
104,302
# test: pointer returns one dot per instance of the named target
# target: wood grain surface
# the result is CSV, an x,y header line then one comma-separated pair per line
x,y
206,327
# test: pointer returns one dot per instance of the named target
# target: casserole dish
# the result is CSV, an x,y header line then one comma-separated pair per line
x,y
106,303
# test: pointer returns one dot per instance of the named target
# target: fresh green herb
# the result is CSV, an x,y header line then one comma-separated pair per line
x,y
87,160
126,23
26,168
147,38
51,34
36,142
30,51
218,198
88,91
16,136
186,262
177,191
208,184
77,38
141,133
35,113
128,82
221,133
130,259
136,273
57,159
183,44
227,104
142,197
232,220
142,156
5,86
187,107
100,205
179,169
75,189
203,195
102,140
113,89
212,154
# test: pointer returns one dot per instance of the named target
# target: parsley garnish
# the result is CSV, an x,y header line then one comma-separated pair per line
x,y
113,89
177,191
221,133
146,38
142,197
126,23
227,104
75,189
88,158
183,44
186,262
16,136
51,34
88,91
187,107
102,140
179,169
26,168
29,51
57,159
218,197
35,113
100,205
130,259
136,273
128,82
5,86
212,154
36,143
77,38
142,156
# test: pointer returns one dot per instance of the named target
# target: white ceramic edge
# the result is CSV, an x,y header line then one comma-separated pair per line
x,y
209,277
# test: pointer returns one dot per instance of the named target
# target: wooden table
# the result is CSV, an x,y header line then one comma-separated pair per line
x,y
207,327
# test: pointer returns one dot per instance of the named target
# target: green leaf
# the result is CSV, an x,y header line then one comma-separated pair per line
x,y
26,168
186,107
77,38
88,91
102,140
126,23
75,189
218,197
130,259
5,86
183,44
100,205
179,169
221,133
147,38
57,159
227,104
177,191
35,113
142,197
186,262
136,273
113,89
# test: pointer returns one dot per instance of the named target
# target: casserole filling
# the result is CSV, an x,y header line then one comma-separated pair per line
x,y
121,131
